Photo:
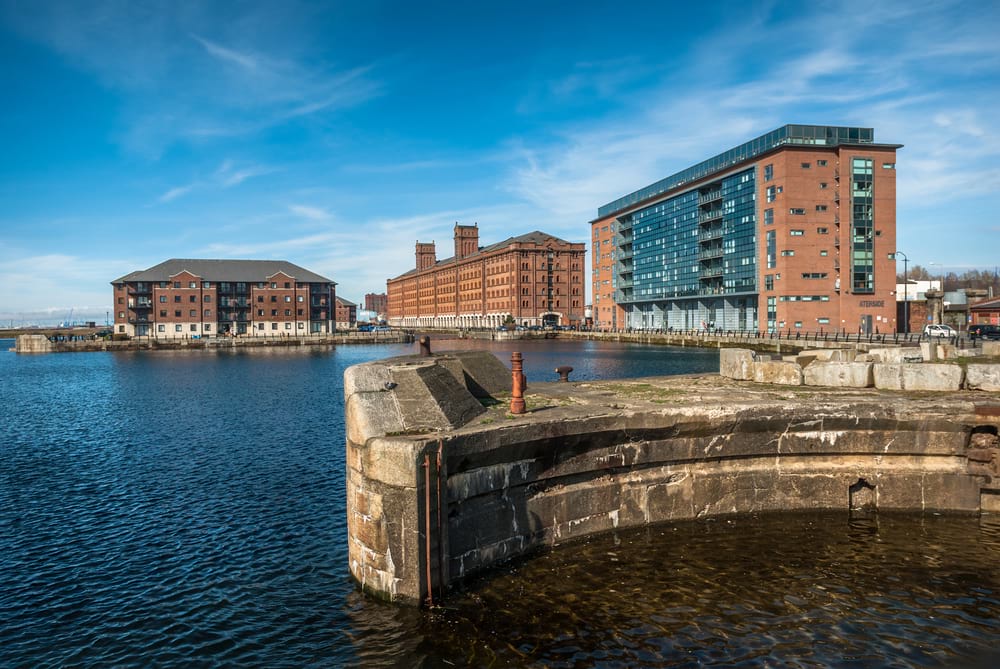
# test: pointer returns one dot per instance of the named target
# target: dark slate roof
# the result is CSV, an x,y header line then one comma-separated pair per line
x,y
986,304
534,237
346,303
249,271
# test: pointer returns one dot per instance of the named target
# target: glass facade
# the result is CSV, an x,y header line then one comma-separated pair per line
x,y
691,259
821,135
862,227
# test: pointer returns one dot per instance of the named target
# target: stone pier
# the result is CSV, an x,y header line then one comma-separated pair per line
x,y
443,482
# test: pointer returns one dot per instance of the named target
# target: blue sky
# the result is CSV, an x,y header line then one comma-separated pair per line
x,y
336,134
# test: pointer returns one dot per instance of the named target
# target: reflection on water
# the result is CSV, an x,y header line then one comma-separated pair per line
x,y
187,509
779,590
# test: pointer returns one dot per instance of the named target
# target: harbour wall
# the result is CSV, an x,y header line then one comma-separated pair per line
x,y
29,343
443,482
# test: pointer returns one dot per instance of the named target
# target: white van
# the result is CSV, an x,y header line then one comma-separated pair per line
x,y
935,330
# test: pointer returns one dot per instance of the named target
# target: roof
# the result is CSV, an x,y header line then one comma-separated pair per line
x,y
787,135
533,237
347,303
249,271
986,304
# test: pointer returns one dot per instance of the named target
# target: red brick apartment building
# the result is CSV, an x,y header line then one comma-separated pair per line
x,y
194,298
793,230
377,302
534,279
346,313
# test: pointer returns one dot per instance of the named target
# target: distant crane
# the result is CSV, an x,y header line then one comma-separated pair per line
x,y
68,323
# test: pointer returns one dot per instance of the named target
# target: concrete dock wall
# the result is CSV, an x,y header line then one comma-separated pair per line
x,y
434,498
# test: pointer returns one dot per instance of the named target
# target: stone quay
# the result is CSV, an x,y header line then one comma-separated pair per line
x,y
444,482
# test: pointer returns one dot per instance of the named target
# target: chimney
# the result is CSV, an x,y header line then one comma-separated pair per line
x,y
466,240
426,256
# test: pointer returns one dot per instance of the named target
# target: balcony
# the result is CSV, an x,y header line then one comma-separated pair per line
x,y
711,272
709,197
709,216
710,234
710,253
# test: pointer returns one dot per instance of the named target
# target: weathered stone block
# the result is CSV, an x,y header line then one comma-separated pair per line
x,y
736,363
983,377
32,344
928,350
839,374
947,352
991,348
888,376
778,372
932,376
896,354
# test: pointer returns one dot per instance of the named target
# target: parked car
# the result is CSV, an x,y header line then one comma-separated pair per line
x,y
985,331
365,328
382,328
939,330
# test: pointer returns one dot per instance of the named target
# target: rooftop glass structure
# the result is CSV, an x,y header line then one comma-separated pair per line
x,y
823,135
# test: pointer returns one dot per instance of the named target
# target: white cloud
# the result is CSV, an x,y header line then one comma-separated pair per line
x,y
311,213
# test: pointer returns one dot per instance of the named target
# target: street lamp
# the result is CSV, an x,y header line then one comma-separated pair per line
x,y
906,302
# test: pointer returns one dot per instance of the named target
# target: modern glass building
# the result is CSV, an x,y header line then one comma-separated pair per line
x,y
757,237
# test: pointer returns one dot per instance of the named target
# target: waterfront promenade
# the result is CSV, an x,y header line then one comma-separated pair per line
x,y
68,342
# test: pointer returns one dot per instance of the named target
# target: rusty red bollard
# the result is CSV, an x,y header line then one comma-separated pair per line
x,y
563,372
517,384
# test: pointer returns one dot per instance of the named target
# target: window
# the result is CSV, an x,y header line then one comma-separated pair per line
x,y
161,328
274,326
260,298
208,312
163,298
208,298
823,321
177,328
814,275
796,211
797,233
194,327
260,312
768,216
193,313
274,298
177,298
888,166
768,172
177,313
288,326
768,282
208,327
822,185
824,252
193,284
770,193
301,299
301,325
288,312
121,300
822,231
288,298
274,284
163,313
820,163
177,284
206,284
121,314
274,312
192,298
806,166
771,249
820,207
788,253
288,285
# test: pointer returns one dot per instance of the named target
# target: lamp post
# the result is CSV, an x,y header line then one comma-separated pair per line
x,y
906,302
